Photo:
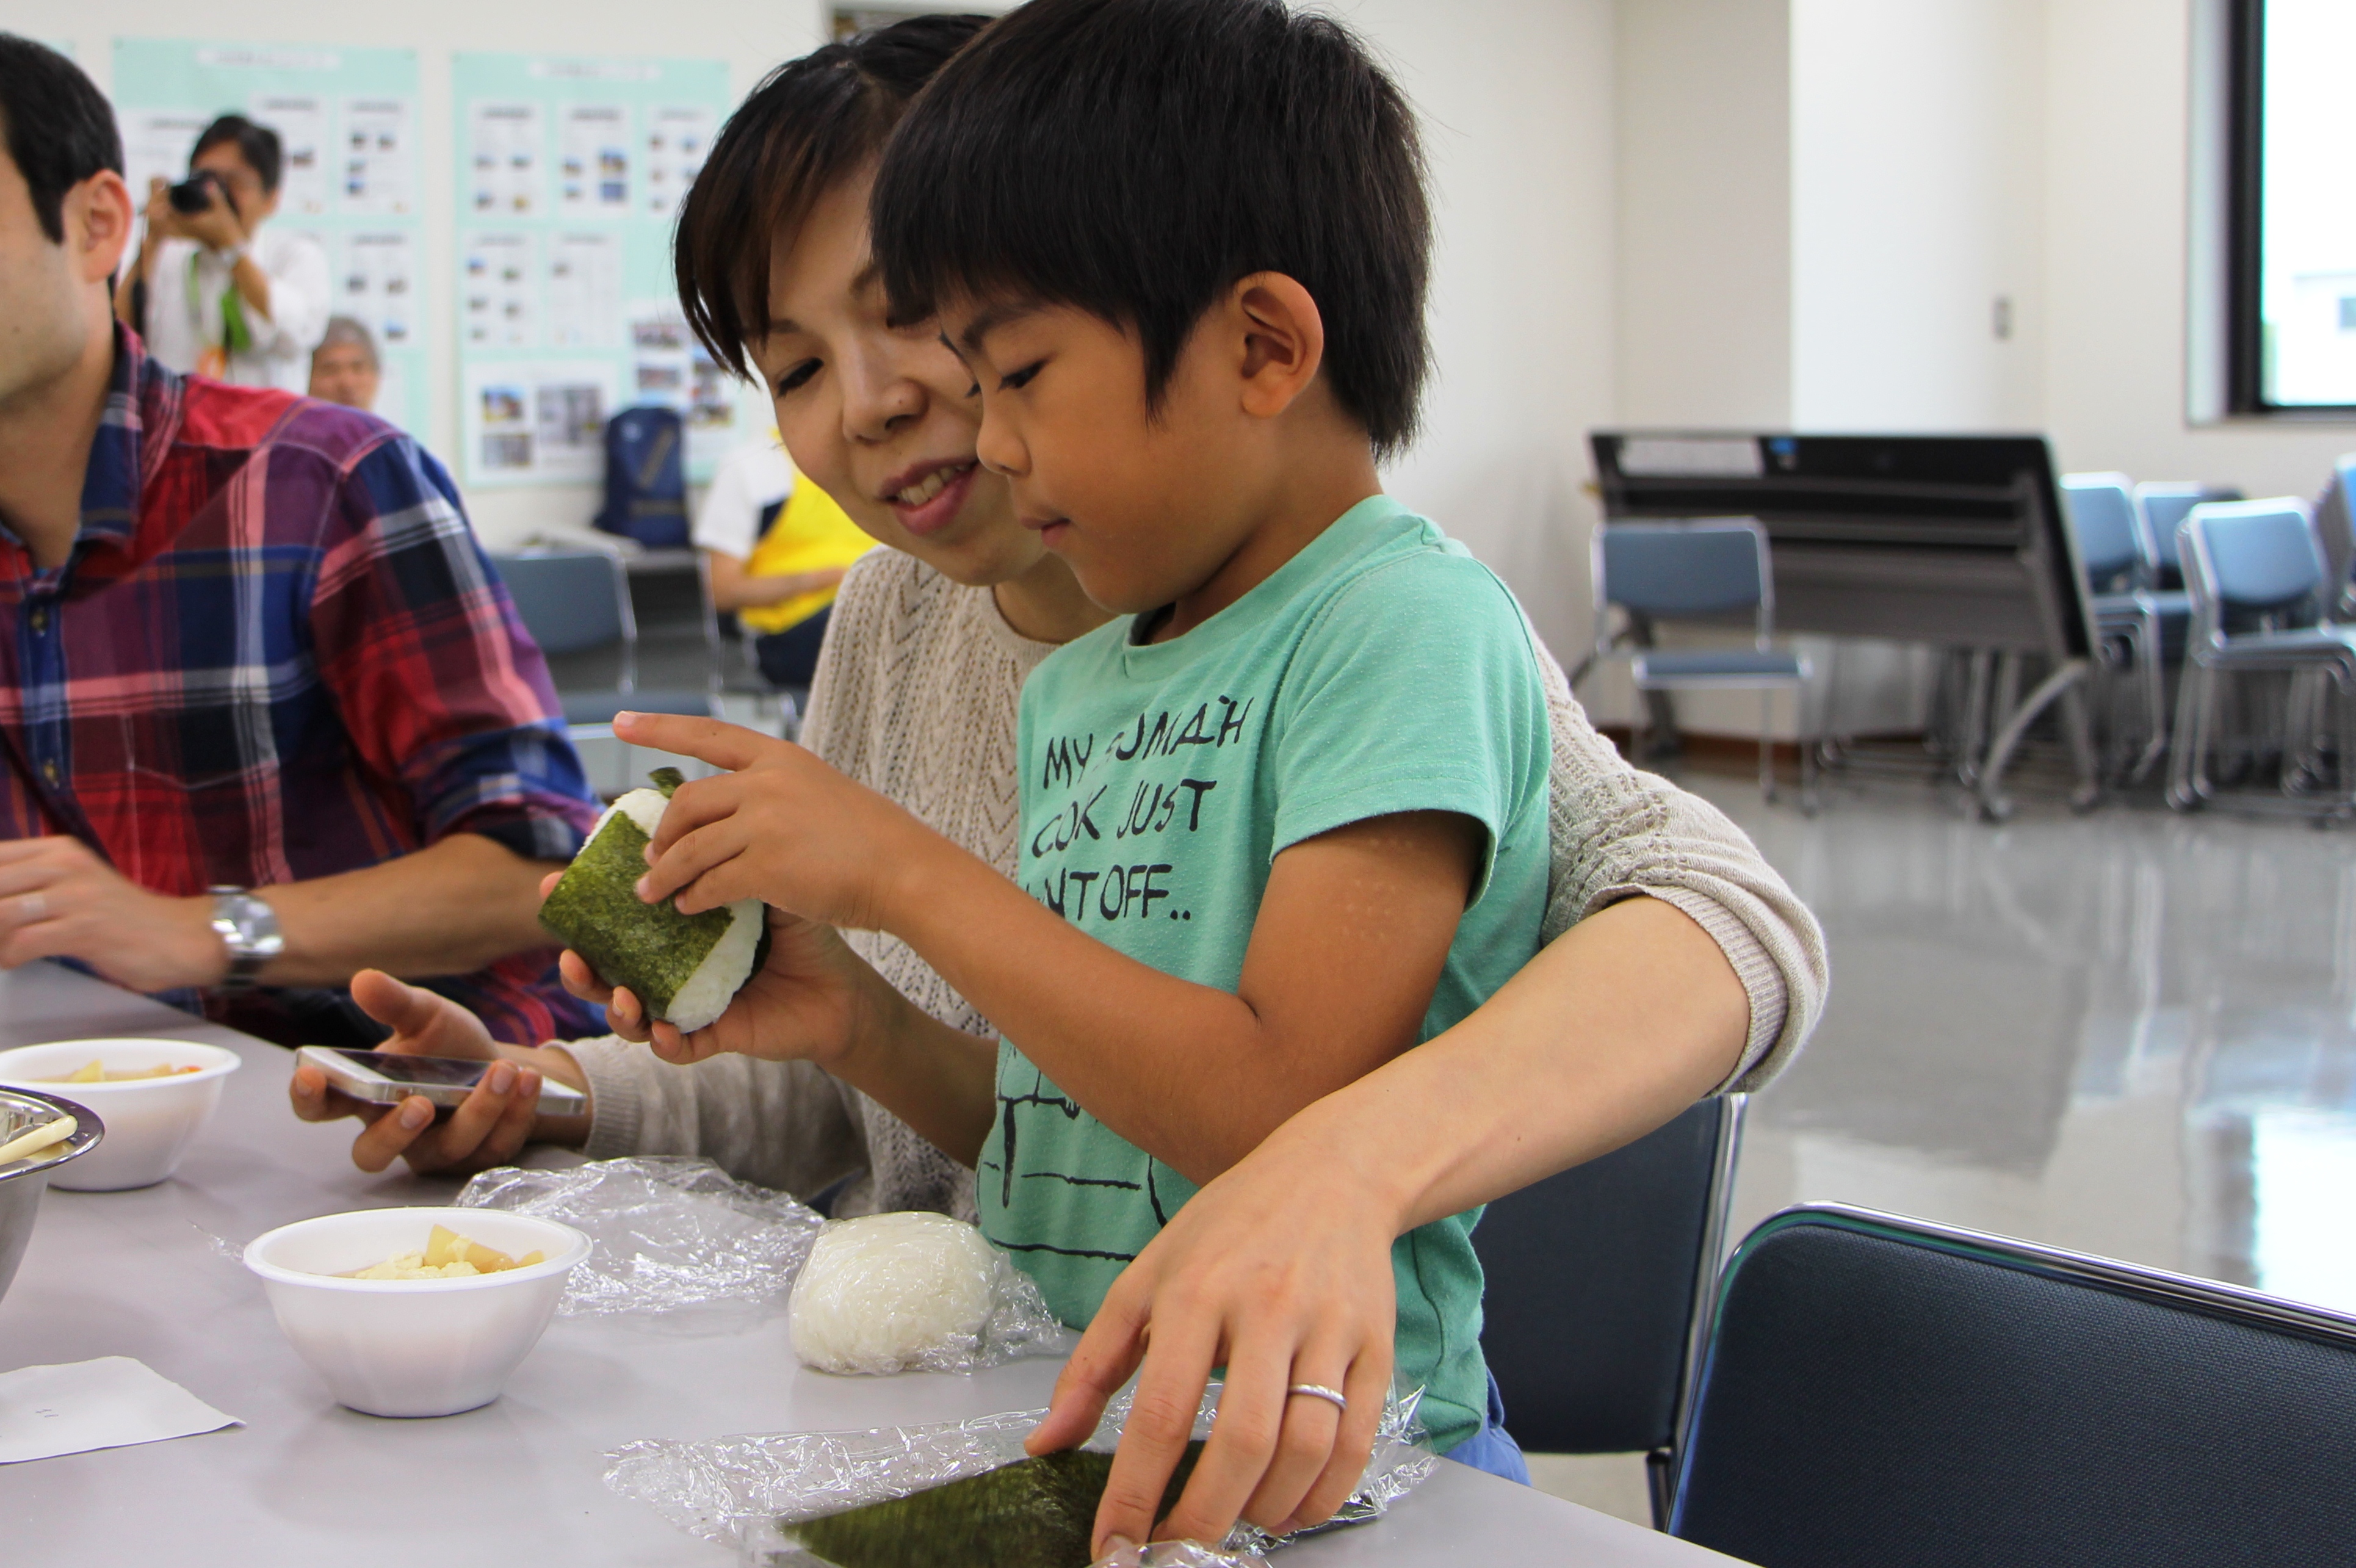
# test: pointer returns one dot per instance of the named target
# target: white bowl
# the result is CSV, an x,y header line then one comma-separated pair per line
x,y
412,1346
150,1122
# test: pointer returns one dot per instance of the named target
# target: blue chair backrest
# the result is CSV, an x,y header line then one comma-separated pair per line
x,y
2257,558
1880,1391
1683,569
1594,1277
571,600
2101,517
645,478
2165,504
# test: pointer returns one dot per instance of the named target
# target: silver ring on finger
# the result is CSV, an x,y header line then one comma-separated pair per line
x,y
34,907
1319,1392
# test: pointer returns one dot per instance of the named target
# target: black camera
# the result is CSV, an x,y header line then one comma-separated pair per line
x,y
194,194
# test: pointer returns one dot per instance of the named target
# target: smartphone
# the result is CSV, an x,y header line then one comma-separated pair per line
x,y
387,1079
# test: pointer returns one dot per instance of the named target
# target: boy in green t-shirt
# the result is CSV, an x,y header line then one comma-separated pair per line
x,y
1288,818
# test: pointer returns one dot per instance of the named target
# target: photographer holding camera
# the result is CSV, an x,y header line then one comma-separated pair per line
x,y
226,297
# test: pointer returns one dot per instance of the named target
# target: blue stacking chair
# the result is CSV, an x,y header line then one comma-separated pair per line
x,y
2259,588
2335,524
2164,504
2119,593
578,602
1599,1282
1882,1393
1710,569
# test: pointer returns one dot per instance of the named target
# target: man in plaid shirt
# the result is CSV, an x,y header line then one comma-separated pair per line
x,y
254,671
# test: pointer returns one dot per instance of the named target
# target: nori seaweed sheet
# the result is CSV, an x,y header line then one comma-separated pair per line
x,y
1034,1513
595,910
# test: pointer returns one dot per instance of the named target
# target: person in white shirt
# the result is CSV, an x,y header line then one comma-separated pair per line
x,y
224,295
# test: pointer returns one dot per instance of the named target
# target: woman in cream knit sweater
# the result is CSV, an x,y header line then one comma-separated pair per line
x,y
1679,964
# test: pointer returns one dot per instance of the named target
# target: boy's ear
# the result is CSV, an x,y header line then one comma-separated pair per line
x,y
1283,341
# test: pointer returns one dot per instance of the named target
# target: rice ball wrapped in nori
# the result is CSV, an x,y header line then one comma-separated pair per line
x,y
684,969
1034,1513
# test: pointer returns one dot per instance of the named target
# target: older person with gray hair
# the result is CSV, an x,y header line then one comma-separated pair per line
x,y
344,366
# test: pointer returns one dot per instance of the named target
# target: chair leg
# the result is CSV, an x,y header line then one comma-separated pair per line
x,y
1659,1475
1766,743
1975,717
2341,690
1812,725
2155,683
2187,768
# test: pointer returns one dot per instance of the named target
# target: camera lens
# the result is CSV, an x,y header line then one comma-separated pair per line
x,y
194,194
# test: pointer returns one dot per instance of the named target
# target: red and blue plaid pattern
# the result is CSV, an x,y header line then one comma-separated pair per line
x,y
277,653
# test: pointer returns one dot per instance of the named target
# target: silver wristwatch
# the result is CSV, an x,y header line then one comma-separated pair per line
x,y
248,927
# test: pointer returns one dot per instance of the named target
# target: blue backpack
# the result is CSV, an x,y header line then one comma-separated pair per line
x,y
645,479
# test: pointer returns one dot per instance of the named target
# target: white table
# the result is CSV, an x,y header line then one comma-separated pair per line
x,y
136,1274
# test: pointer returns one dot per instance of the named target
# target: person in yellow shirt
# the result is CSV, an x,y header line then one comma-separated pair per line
x,y
774,546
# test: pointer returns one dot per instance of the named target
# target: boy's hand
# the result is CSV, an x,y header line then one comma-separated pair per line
x,y
810,1001
779,826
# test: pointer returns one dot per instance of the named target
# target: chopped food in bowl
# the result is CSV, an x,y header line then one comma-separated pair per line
x,y
397,1340
97,1071
447,1255
155,1096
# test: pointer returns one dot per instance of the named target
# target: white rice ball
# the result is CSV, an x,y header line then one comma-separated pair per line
x,y
884,1293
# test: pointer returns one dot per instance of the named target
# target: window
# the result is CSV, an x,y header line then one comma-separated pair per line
x,y
2293,330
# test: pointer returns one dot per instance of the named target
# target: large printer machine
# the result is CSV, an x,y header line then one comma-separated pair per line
x,y
1953,540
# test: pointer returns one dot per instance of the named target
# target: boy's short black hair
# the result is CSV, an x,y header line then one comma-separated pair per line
x,y
58,128
257,145
1135,158
812,123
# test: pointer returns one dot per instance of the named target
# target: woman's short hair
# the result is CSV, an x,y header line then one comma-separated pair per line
x,y
812,122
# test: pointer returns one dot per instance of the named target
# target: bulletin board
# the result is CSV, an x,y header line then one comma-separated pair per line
x,y
347,120
570,173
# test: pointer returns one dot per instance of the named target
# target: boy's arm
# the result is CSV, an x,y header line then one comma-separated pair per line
x,y
1345,953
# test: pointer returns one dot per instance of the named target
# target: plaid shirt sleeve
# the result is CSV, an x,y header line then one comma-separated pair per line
x,y
440,687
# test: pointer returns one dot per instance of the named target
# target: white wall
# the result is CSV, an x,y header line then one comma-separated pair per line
x,y
1915,205
2118,140
1705,213
1516,98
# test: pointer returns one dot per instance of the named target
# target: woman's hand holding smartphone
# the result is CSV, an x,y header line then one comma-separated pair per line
x,y
490,1128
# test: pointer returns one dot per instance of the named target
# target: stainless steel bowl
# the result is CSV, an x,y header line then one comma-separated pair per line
x,y
22,1182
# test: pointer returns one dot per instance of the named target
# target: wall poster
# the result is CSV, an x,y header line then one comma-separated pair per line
x,y
570,173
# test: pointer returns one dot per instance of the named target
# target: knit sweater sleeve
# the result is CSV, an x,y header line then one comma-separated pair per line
x,y
779,1124
1617,832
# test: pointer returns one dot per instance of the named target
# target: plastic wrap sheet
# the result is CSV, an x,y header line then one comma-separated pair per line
x,y
855,1312
737,1490
1178,1555
675,1235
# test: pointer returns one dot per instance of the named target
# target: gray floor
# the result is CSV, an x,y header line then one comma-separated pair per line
x,y
2132,1034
